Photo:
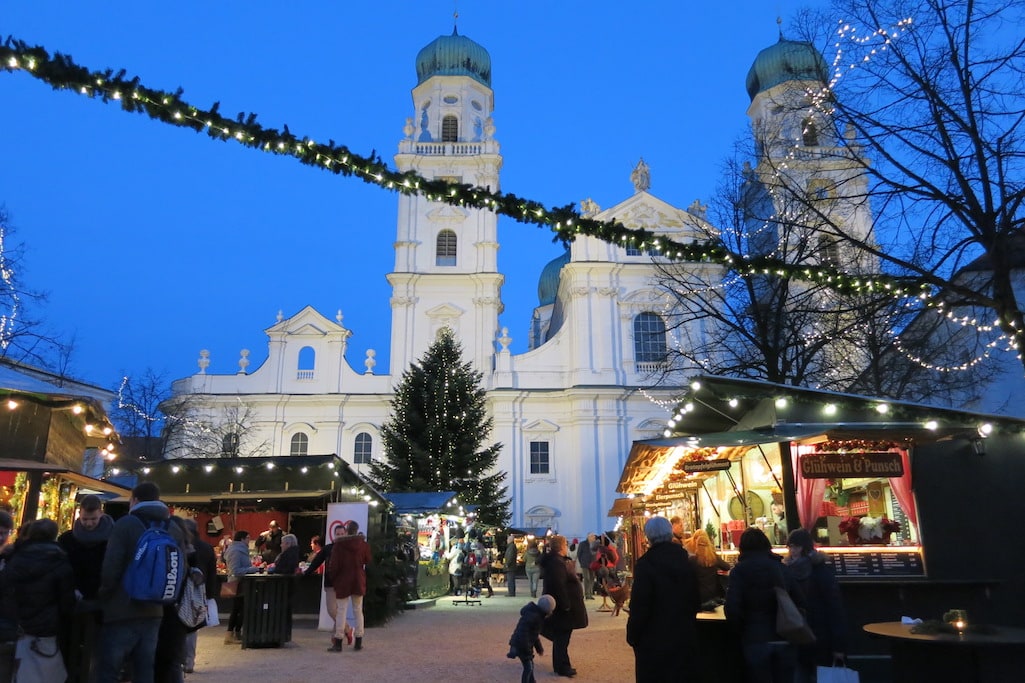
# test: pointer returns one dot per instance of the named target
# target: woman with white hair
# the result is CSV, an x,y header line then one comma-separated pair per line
x,y
663,608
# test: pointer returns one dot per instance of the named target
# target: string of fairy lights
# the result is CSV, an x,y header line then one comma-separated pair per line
x,y
62,73
8,292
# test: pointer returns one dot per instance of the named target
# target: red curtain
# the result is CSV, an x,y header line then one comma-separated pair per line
x,y
903,490
810,492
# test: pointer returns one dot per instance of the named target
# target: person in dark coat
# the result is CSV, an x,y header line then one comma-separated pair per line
x,y
663,608
561,582
509,565
86,544
287,562
527,636
823,606
39,584
204,559
270,542
585,556
169,657
751,609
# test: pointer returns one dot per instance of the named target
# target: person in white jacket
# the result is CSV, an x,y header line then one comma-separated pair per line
x,y
455,565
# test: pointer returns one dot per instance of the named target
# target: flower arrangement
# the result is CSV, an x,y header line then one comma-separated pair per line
x,y
868,529
849,525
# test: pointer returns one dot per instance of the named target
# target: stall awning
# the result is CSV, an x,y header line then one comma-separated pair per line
x,y
80,480
420,502
620,507
647,459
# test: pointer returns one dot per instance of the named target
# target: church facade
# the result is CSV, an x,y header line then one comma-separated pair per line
x,y
567,410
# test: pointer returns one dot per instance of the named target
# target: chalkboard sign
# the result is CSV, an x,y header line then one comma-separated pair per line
x,y
877,563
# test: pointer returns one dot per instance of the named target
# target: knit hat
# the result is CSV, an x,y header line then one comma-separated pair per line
x,y
547,603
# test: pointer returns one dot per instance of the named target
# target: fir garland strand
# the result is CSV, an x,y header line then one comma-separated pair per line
x,y
62,73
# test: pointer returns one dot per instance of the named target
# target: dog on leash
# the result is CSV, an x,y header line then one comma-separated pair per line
x,y
618,595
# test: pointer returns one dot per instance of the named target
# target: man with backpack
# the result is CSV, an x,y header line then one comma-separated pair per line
x,y
152,572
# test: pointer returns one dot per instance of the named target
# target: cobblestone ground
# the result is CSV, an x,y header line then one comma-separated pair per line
x,y
446,642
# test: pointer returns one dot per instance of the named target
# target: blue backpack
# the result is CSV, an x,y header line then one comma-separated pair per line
x,y
156,571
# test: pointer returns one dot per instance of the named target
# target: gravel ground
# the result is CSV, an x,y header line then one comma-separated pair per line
x,y
446,642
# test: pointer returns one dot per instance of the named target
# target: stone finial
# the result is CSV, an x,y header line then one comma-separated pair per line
x,y
243,361
204,361
641,176
409,128
339,316
504,340
489,128
370,362
281,315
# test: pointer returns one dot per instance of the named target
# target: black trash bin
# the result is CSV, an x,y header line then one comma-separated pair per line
x,y
266,610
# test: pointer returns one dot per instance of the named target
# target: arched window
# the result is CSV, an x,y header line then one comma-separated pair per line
x,y
810,133
307,362
450,129
362,451
300,444
649,338
229,444
445,253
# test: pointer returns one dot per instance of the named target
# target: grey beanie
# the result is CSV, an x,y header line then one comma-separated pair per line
x,y
547,603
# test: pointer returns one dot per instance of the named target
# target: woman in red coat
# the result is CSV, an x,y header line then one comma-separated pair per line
x,y
350,556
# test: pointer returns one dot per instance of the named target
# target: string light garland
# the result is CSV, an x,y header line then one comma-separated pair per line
x,y
61,73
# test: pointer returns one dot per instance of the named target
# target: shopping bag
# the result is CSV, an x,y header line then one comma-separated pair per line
x,y
212,618
229,589
37,658
837,674
790,623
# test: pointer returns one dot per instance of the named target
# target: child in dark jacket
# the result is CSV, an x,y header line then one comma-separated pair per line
x,y
527,636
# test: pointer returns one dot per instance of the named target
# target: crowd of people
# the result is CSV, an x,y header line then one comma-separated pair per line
x,y
66,611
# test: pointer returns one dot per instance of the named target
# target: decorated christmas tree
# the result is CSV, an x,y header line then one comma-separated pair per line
x,y
434,440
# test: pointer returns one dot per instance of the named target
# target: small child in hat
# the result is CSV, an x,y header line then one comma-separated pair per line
x,y
527,636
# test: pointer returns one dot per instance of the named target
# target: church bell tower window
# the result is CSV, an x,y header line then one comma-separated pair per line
x,y
445,253
450,129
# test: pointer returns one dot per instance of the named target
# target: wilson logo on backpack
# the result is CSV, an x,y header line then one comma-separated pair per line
x,y
155,571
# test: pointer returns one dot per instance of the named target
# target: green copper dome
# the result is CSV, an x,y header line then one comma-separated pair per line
x,y
787,60
548,283
454,55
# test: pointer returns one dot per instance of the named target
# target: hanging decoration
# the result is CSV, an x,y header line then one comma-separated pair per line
x,y
62,73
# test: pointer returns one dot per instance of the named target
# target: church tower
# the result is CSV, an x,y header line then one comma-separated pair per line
x,y
446,270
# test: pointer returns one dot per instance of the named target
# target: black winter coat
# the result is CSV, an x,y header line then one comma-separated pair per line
x,y
563,584
526,636
85,551
824,610
204,559
751,596
287,563
663,608
39,583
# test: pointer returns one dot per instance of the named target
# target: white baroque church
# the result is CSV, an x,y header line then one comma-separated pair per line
x,y
592,381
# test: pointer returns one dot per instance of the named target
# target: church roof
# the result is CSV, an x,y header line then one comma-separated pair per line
x,y
548,283
454,55
787,60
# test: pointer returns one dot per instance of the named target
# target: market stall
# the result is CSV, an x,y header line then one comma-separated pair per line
x,y
229,494
427,521
879,484
51,438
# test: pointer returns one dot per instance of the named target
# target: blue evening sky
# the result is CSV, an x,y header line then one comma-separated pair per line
x,y
154,242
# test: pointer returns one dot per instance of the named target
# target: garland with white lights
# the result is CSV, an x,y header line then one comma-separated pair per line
x,y
60,72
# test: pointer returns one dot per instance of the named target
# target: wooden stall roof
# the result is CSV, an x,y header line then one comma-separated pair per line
x,y
735,414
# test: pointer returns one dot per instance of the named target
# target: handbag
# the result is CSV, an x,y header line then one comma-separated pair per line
x,y
38,658
229,589
192,605
836,674
790,623
212,617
